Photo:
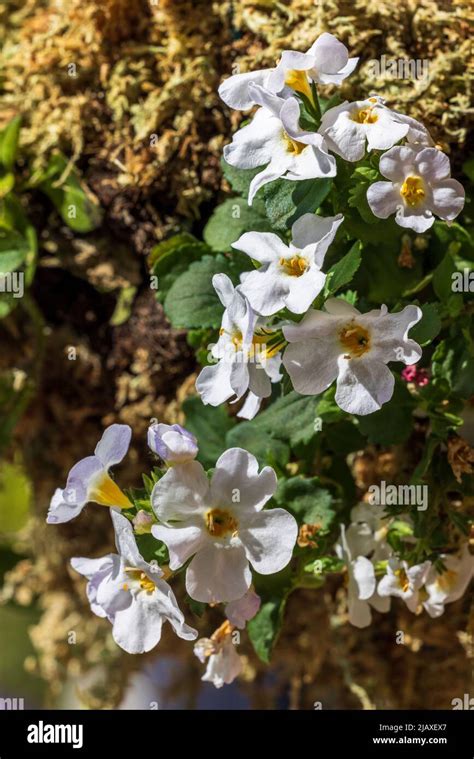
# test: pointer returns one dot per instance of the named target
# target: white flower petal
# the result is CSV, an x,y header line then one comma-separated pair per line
x,y
264,247
383,199
218,573
364,577
448,199
363,386
182,542
237,469
113,445
234,91
311,364
180,494
254,144
213,383
269,539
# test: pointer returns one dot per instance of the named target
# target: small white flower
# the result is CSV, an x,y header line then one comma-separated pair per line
x,y
273,142
449,585
131,593
367,531
341,343
223,662
326,62
247,353
291,275
241,611
404,582
348,127
420,187
362,586
89,479
172,443
221,524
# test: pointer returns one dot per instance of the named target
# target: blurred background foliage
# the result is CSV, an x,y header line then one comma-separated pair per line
x,y
111,107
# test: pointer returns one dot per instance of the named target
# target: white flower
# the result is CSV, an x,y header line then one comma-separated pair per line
x,y
326,62
223,662
247,353
130,593
291,275
449,585
221,524
348,127
367,531
342,343
89,479
172,443
241,611
404,582
362,586
270,141
420,186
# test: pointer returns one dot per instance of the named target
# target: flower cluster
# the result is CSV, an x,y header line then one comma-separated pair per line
x,y
291,137
215,530
366,553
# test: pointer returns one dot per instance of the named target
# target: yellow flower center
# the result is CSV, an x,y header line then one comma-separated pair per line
x,y
403,580
265,343
220,523
292,146
137,575
295,266
105,491
298,81
365,116
355,340
413,191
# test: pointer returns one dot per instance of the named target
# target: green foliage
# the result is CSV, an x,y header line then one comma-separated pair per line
x,y
289,421
393,423
191,301
74,202
307,501
15,498
210,426
171,258
429,325
264,628
286,201
344,270
230,220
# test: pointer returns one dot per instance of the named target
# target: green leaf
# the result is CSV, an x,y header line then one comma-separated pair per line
x,y
264,628
380,278
286,201
443,279
342,273
428,327
210,426
291,418
391,425
192,302
453,361
13,251
15,497
74,202
344,437
307,501
239,179
171,258
9,137
230,220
